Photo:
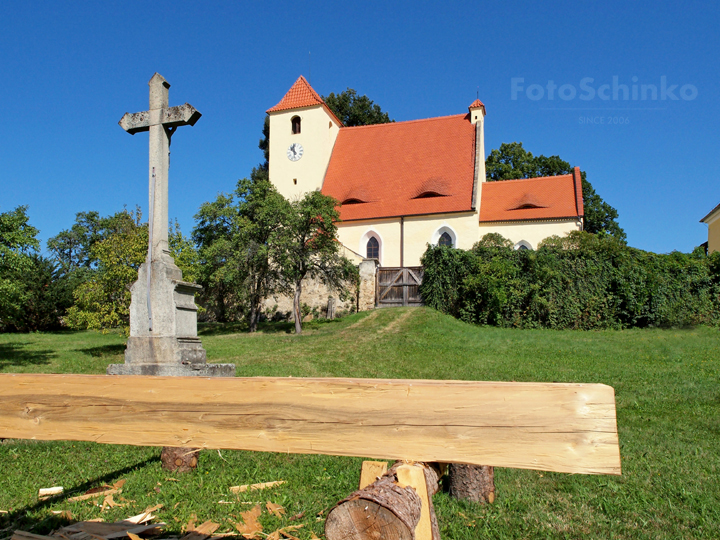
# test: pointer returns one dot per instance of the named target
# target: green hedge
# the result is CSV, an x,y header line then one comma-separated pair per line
x,y
582,281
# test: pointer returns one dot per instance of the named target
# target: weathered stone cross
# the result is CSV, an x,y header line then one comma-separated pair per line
x,y
161,121
163,315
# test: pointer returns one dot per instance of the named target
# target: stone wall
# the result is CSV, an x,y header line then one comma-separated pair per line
x,y
316,295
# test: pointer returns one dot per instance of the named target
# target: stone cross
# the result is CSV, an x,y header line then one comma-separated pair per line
x,y
161,121
163,315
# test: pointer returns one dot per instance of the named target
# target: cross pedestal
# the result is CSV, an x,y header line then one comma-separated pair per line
x,y
163,315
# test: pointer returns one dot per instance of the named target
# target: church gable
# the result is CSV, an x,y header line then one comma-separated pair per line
x,y
403,169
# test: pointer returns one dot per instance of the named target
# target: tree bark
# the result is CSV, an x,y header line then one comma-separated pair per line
x,y
296,307
253,316
179,459
383,510
474,483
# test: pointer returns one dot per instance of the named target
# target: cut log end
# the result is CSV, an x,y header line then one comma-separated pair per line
x,y
474,483
382,510
179,459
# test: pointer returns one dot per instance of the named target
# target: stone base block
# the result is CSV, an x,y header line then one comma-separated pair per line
x,y
164,350
173,370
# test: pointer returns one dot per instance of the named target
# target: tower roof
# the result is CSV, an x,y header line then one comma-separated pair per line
x,y
477,104
300,95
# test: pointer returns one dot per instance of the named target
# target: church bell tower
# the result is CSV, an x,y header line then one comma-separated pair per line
x,y
302,135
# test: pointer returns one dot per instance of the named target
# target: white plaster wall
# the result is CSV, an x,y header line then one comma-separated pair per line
x,y
532,232
317,136
419,232
388,231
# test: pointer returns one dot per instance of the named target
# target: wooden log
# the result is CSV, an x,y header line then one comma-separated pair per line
x,y
395,513
474,483
179,459
554,427
381,510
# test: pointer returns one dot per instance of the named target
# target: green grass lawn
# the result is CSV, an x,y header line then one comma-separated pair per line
x,y
667,385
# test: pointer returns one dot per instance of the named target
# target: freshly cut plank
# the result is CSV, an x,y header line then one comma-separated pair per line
x,y
561,427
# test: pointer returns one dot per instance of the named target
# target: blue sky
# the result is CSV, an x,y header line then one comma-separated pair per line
x,y
70,70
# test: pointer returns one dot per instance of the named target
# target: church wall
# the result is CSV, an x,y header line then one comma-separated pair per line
x,y
354,235
714,235
317,136
423,230
531,232
418,232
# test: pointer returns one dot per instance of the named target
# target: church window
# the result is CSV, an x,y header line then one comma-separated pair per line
x,y
295,125
373,248
445,240
524,245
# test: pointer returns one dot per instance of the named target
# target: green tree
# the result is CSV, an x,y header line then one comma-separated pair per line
x,y
48,295
72,247
261,215
18,245
354,110
308,247
184,253
236,234
215,225
103,300
512,161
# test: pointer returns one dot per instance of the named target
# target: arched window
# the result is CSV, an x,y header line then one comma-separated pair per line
x,y
373,248
523,244
444,236
295,124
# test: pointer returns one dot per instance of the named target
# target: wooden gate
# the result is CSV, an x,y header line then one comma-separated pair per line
x,y
398,286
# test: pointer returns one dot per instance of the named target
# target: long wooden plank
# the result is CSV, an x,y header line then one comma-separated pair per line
x,y
553,427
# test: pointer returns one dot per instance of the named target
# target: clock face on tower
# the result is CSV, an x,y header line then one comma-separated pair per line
x,y
295,151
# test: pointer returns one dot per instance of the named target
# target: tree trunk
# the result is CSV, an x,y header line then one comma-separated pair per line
x,y
474,483
253,316
220,306
179,459
296,307
383,510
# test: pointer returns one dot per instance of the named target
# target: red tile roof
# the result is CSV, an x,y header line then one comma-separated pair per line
x,y
477,104
300,95
387,166
551,197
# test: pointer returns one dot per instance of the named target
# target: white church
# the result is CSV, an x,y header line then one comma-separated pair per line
x,y
405,185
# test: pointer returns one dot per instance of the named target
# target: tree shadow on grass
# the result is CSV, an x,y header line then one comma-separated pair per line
x,y
18,518
265,327
220,329
14,354
104,350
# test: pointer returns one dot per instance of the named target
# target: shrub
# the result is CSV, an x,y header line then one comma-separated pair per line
x,y
581,281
